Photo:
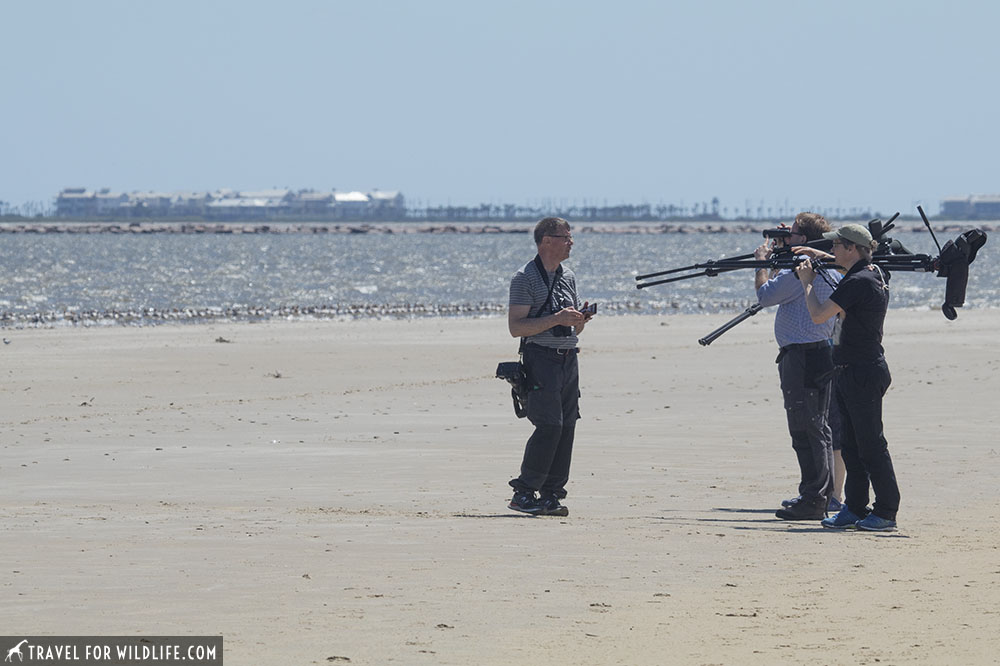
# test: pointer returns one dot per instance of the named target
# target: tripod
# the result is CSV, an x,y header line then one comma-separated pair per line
x,y
951,263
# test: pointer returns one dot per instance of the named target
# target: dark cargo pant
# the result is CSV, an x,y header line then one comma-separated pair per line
x,y
553,408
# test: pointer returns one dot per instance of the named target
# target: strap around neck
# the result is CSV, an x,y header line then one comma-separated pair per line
x,y
545,278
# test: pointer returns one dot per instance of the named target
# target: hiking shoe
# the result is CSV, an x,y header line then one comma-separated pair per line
x,y
802,510
845,519
789,502
525,502
835,505
551,507
873,523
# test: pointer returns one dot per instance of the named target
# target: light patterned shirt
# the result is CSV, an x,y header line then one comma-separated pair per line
x,y
792,322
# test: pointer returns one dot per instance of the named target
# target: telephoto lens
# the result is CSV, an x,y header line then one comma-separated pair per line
x,y
776,233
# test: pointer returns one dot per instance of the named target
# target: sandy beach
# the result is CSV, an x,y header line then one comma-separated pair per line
x,y
335,493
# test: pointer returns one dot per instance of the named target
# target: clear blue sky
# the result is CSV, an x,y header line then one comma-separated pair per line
x,y
879,105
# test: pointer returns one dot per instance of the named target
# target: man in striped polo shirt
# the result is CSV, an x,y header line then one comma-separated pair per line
x,y
545,313
805,365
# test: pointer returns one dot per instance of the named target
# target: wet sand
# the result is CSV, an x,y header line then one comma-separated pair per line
x,y
335,492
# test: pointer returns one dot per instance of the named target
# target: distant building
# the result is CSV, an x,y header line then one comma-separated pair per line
x,y
190,204
75,202
986,207
144,204
273,196
387,205
975,207
313,204
351,205
227,204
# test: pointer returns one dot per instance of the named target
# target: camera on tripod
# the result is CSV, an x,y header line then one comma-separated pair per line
x,y
777,232
952,263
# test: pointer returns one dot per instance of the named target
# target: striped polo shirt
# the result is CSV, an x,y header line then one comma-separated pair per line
x,y
528,288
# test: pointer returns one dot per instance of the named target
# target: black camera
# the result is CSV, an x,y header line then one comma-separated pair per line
x,y
778,232
513,372
561,331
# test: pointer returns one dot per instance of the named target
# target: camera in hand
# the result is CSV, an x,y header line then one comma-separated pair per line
x,y
566,331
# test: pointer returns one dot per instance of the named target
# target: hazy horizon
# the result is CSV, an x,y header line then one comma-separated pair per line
x,y
877,106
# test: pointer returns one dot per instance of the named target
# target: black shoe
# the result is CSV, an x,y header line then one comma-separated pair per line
x,y
551,506
525,502
803,510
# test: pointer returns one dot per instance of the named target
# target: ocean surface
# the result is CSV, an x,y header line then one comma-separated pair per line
x,y
144,279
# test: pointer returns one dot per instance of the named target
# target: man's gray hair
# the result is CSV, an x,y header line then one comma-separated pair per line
x,y
548,227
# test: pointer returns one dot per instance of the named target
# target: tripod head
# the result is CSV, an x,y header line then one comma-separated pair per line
x,y
886,245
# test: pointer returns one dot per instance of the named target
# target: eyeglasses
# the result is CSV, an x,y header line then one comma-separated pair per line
x,y
841,243
568,237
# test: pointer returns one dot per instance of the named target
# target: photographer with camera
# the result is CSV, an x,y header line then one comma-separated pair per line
x,y
545,312
805,362
861,300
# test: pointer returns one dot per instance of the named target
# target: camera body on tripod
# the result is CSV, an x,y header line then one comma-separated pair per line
x,y
777,232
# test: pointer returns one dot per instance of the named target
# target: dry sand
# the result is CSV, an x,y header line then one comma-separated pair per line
x,y
335,492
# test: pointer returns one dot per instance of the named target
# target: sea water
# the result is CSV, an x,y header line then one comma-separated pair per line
x,y
138,279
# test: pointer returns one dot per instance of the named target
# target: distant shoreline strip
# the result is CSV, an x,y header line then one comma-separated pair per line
x,y
412,228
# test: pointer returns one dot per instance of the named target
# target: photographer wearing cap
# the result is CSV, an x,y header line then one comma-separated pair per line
x,y
805,362
545,313
861,300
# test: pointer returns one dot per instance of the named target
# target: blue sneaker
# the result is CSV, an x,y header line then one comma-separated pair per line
x,y
873,523
845,519
835,505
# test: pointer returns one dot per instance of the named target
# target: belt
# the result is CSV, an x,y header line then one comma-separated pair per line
x,y
862,364
808,345
839,368
553,350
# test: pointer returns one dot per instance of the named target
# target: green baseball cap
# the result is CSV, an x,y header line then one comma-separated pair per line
x,y
854,233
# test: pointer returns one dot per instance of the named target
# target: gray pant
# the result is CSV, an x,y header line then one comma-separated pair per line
x,y
805,372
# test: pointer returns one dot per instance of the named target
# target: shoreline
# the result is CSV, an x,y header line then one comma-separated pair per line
x,y
351,312
281,227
